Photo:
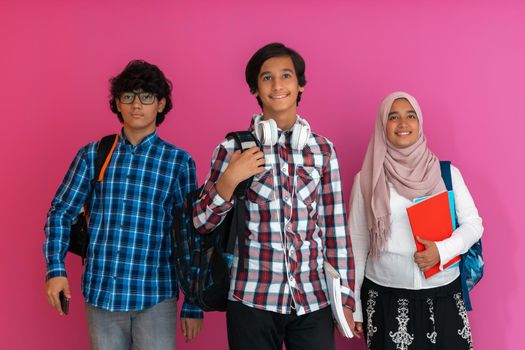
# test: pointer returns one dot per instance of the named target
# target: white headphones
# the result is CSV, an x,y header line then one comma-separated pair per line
x,y
266,132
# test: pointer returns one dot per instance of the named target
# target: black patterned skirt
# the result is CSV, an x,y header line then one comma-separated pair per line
x,y
405,319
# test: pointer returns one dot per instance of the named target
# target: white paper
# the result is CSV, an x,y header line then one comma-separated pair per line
x,y
333,281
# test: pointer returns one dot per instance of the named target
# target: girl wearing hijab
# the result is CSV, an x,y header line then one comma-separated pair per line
x,y
395,304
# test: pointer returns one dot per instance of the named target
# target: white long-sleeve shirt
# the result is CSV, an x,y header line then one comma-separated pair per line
x,y
395,266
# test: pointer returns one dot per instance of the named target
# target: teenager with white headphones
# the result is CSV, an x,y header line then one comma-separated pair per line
x,y
295,217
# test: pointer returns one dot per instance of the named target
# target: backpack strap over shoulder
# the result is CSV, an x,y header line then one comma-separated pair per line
x,y
445,173
244,140
474,254
105,149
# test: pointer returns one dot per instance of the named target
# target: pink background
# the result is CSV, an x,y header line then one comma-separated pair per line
x,y
463,60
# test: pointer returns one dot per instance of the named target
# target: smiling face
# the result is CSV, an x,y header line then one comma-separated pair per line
x,y
278,87
402,126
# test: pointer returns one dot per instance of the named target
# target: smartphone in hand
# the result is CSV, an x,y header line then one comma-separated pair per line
x,y
64,303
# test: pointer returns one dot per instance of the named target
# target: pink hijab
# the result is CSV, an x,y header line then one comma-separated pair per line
x,y
414,171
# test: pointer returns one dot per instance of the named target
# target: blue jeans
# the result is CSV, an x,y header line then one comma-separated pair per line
x,y
153,328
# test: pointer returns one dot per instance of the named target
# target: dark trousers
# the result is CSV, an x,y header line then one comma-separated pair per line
x,y
253,329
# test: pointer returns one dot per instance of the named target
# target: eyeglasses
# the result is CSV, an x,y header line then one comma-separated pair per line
x,y
146,98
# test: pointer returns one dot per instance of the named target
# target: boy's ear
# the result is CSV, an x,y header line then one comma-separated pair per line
x,y
162,104
117,104
256,93
301,88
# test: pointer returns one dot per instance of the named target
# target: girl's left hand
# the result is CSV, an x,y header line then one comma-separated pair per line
x,y
428,257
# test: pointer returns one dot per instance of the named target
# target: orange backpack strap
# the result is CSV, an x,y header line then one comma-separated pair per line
x,y
105,150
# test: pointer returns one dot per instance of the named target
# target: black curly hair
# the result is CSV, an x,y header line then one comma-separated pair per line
x,y
265,53
141,75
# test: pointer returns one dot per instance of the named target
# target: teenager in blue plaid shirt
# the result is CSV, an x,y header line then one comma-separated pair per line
x,y
129,281
295,217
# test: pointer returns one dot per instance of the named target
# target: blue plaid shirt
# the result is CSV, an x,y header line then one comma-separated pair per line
x,y
128,264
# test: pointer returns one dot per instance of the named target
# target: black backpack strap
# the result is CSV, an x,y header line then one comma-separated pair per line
x,y
445,174
236,232
243,140
103,149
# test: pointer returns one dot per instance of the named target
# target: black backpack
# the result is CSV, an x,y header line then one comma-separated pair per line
x,y
203,261
79,236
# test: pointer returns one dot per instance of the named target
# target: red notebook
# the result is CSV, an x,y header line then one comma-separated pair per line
x,y
431,219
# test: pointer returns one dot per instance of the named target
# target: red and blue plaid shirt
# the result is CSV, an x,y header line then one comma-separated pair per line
x,y
295,219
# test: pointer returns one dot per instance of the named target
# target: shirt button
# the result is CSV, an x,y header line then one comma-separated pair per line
x,y
286,198
285,170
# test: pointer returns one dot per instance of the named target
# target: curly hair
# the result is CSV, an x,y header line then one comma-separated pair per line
x,y
265,53
141,75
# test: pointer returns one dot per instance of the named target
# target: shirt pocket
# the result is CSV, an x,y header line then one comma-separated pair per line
x,y
262,189
308,179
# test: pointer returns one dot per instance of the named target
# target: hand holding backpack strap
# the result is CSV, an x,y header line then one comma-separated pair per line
x,y
204,260
244,140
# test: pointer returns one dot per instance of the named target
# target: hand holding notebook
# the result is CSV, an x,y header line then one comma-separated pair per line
x,y
333,281
432,219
